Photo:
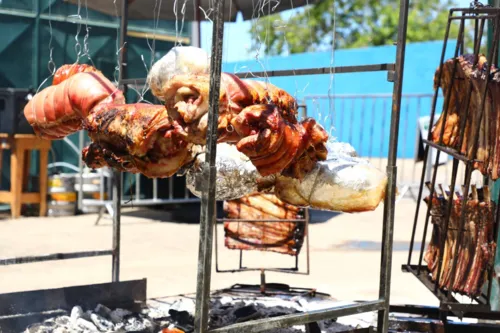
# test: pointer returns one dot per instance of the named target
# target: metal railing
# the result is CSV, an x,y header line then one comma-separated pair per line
x,y
363,121
132,198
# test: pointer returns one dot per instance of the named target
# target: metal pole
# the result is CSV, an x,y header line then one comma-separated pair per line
x,y
36,45
196,26
388,227
208,208
81,143
495,288
117,181
117,191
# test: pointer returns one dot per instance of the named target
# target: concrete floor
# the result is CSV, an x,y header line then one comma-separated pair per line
x,y
345,254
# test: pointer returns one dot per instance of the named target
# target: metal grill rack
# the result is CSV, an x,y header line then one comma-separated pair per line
x,y
449,305
304,233
208,207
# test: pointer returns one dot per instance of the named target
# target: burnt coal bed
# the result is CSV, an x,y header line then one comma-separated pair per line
x,y
165,317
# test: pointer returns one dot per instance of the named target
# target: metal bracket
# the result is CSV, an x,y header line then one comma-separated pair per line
x,y
391,76
200,182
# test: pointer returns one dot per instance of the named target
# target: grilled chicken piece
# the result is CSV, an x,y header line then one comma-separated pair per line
x,y
137,138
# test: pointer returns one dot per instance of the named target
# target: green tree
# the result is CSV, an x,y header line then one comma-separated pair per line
x,y
358,23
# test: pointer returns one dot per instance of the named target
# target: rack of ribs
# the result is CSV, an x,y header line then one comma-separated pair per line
x,y
261,234
470,75
475,250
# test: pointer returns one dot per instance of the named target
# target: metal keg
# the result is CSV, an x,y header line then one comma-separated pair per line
x,y
62,195
92,190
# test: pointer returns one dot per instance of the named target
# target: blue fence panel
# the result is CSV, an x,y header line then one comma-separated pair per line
x,y
364,120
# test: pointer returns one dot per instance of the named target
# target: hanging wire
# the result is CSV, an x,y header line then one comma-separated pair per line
x,y
119,47
331,87
152,48
86,50
50,65
78,20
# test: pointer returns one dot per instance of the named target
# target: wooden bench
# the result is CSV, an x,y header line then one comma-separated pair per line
x,y
21,146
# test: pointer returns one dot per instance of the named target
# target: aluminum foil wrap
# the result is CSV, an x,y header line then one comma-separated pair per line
x,y
179,60
236,175
344,182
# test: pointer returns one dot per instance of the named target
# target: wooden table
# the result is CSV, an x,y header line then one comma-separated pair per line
x,y
21,146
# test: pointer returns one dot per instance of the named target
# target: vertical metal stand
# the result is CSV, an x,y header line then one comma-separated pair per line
x,y
208,207
81,139
390,198
196,25
117,191
117,177
207,215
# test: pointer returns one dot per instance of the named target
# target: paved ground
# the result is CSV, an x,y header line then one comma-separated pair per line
x,y
345,256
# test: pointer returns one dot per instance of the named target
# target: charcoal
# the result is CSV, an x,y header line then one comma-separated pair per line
x,y
182,318
331,326
86,325
118,315
120,328
103,311
136,325
227,314
157,314
50,323
101,323
61,329
181,314
38,328
183,304
63,321
76,313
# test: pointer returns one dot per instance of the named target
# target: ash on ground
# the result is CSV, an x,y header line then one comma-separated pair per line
x,y
159,316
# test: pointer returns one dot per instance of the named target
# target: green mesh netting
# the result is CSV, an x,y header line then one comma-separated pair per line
x,y
19,62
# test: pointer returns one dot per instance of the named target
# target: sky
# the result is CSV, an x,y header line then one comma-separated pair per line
x,y
237,39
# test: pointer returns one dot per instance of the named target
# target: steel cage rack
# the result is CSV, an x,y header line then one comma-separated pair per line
x,y
291,270
208,203
449,305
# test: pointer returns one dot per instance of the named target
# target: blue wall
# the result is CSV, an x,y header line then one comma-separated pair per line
x,y
362,122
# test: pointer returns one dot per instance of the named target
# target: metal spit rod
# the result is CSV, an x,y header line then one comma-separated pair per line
x,y
390,198
117,183
208,205
296,72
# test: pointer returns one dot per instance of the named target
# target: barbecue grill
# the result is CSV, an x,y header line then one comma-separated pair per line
x,y
208,210
451,303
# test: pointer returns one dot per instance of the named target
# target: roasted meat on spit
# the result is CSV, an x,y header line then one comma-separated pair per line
x,y
264,132
136,138
275,236
58,110
158,141
259,117
477,247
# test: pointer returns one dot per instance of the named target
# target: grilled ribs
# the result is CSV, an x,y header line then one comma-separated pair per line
x,y
470,76
279,237
476,249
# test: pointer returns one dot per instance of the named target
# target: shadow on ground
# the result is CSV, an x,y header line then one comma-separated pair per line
x,y
403,246
190,213
185,213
